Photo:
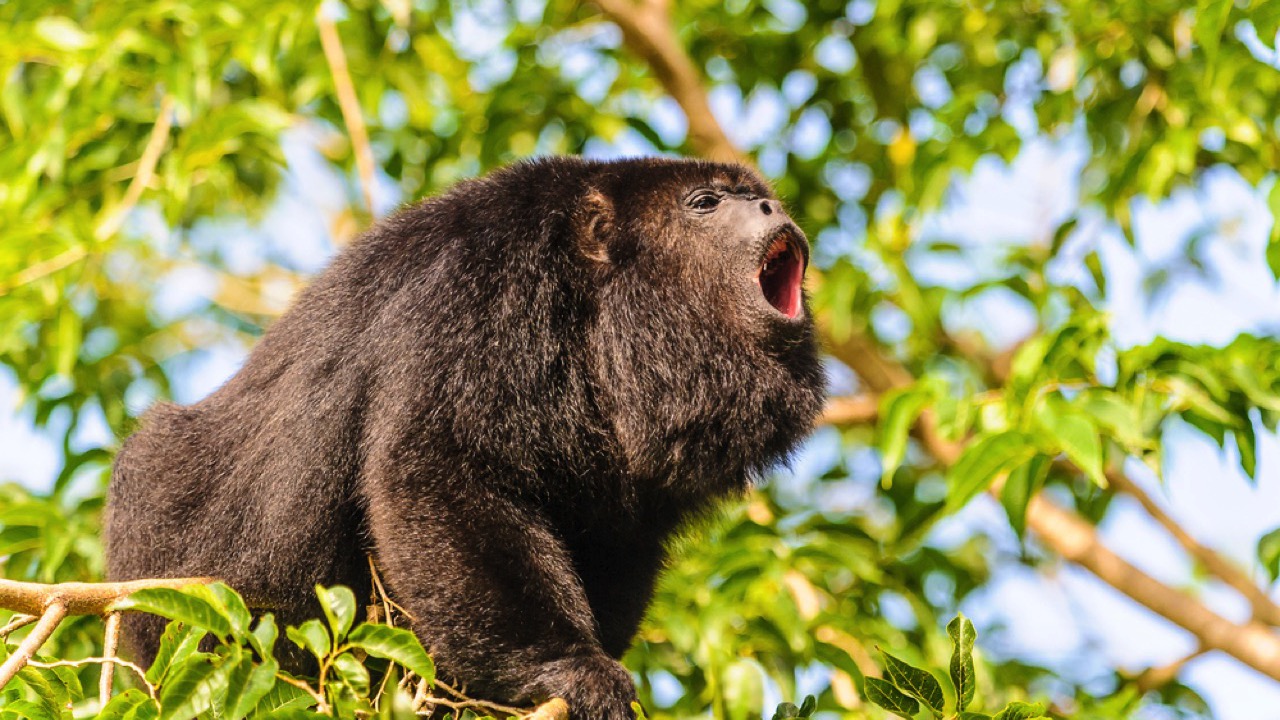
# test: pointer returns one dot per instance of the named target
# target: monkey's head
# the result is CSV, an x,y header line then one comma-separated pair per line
x,y
704,339
644,314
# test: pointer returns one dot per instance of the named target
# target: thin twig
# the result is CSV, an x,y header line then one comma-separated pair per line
x,y
110,641
49,620
44,268
112,222
105,662
321,704
423,697
348,103
146,170
384,596
1154,678
18,622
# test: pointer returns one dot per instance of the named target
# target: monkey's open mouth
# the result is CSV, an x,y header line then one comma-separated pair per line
x,y
782,273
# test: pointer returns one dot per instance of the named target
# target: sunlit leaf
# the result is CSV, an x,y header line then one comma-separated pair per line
x,y
983,460
1076,435
913,681
962,635
176,605
339,605
890,698
395,644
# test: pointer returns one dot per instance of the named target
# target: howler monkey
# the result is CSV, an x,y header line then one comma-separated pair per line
x,y
509,396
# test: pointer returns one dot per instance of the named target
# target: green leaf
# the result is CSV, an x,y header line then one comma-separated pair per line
x,y
742,688
51,693
1075,434
177,605
1269,553
191,687
963,636
1210,18
1020,711
890,698
263,637
284,696
247,683
229,604
70,334
1247,446
294,714
122,704
1117,417
352,672
1022,484
28,710
394,644
913,681
1029,360
339,605
47,686
898,412
982,461
1273,245
312,636
177,643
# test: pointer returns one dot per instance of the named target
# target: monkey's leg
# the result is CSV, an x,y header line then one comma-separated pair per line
x,y
495,597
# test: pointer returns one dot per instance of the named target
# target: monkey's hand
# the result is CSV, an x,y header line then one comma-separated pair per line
x,y
596,686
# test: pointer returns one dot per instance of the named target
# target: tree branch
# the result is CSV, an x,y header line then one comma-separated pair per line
x,y
110,642
49,620
855,410
79,598
156,141
54,602
348,103
1154,678
648,32
1264,609
1076,540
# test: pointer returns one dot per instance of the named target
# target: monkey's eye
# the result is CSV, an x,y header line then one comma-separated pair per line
x,y
704,201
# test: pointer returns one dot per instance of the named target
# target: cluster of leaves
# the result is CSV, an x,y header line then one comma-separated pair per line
x,y
1054,404
905,688
216,660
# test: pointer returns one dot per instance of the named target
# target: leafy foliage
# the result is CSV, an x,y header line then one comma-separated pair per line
x,y
866,114
237,675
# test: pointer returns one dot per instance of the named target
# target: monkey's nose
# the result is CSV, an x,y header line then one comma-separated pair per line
x,y
765,207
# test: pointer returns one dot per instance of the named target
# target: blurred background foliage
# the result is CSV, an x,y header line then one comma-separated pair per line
x,y
158,175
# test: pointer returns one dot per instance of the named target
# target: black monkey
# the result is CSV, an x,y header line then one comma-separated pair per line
x,y
509,395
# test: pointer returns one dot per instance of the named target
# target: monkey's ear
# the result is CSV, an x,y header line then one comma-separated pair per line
x,y
593,223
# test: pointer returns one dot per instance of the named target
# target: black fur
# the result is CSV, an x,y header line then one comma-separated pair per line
x,y
510,395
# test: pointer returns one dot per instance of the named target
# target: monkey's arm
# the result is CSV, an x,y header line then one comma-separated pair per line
x,y
494,595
